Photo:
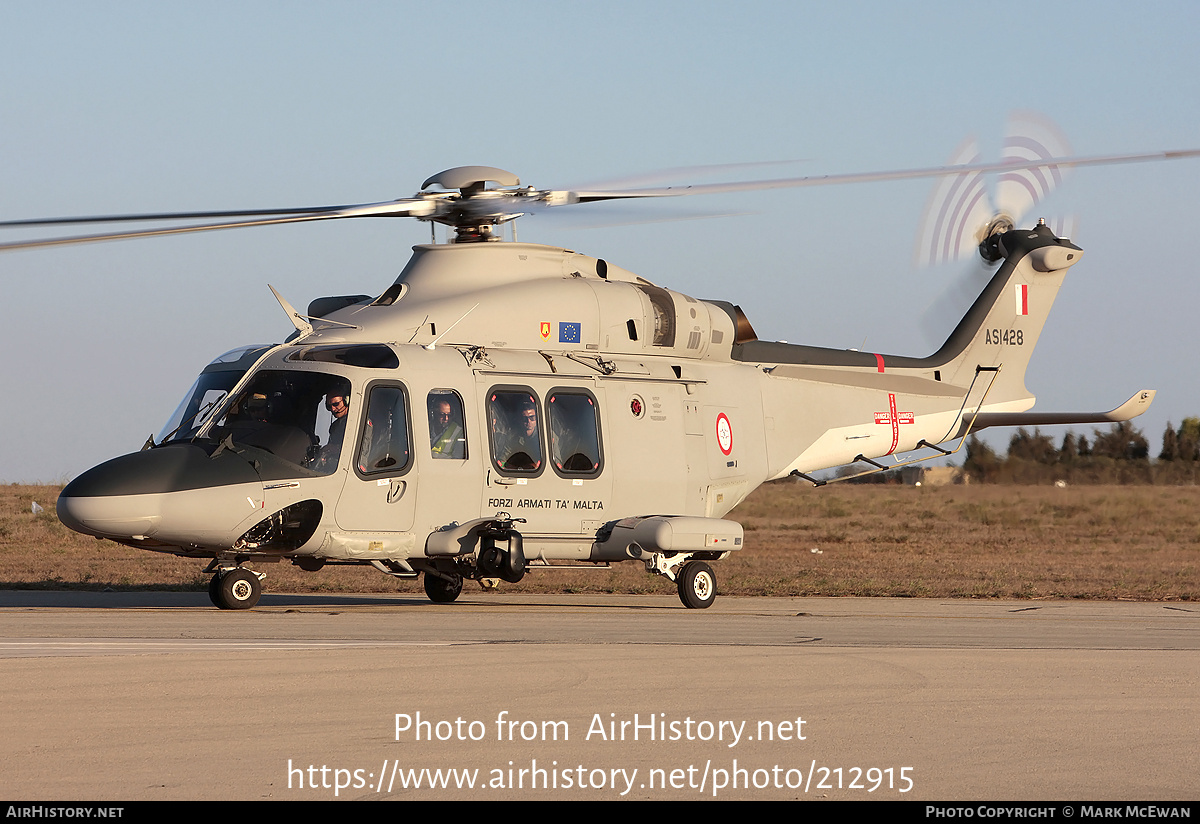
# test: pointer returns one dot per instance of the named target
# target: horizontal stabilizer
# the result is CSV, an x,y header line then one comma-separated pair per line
x,y
1133,407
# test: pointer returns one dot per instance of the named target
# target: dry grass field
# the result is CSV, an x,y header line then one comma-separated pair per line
x,y
1100,542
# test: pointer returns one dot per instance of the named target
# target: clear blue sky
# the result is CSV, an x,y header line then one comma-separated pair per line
x,y
129,107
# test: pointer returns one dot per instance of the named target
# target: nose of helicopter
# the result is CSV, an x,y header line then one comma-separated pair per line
x,y
110,516
159,492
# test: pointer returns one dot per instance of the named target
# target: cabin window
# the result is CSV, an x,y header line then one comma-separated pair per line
x,y
574,433
515,430
383,446
447,430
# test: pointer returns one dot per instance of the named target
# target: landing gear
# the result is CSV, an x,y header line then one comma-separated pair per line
x,y
487,550
441,591
694,579
697,585
235,588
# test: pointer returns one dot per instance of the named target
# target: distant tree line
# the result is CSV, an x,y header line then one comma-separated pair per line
x,y
1120,455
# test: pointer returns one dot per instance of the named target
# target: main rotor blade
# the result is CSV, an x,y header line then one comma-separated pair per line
x,y
490,206
157,216
676,173
395,208
872,177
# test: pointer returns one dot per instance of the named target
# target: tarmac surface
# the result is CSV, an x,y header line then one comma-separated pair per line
x,y
151,695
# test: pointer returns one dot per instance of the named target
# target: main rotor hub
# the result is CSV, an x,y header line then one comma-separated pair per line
x,y
476,210
464,177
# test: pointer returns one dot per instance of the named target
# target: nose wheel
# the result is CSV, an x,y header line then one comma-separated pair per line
x,y
235,588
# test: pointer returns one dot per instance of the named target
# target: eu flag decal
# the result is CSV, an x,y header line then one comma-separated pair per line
x,y
568,332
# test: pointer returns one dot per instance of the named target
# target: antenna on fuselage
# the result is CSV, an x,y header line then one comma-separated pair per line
x,y
433,343
302,325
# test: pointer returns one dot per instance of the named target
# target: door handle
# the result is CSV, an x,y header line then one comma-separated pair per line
x,y
396,491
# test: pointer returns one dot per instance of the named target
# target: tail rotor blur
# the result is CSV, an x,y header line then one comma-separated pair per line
x,y
962,213
967,210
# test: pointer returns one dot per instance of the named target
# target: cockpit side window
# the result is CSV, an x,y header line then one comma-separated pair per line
x,y
297,417
384,447
574,433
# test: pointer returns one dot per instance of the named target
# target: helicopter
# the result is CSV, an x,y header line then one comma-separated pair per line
x,y
504,407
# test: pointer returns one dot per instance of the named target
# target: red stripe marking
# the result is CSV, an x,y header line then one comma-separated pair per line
x,y
895,420
879,363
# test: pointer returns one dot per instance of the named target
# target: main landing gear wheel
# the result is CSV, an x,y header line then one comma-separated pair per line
x,y
236,589
214,590
441,591
697,585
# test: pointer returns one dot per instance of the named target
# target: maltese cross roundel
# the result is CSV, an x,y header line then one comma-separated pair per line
x,y
724,434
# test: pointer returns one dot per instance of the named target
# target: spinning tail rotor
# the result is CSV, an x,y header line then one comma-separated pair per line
x,y
963,217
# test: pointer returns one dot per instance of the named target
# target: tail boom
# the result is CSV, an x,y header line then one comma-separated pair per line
x,y
849,405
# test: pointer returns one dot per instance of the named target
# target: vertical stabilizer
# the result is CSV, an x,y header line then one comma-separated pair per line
x,y
1003,325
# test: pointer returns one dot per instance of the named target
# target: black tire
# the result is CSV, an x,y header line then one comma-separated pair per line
x,y
441,591
214,590
238,589
697,585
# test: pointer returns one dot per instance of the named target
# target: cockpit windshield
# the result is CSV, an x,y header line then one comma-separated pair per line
x,y
214,383
297,416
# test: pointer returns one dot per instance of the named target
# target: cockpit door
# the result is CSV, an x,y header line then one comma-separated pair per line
x,y
379,493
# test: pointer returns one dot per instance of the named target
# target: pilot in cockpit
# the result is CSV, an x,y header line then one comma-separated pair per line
x,y
338,405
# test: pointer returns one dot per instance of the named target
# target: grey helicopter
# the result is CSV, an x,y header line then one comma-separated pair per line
x,y
505,407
